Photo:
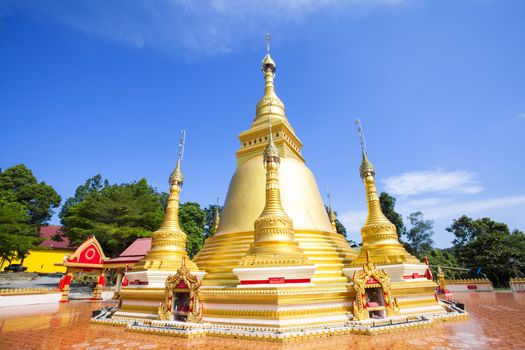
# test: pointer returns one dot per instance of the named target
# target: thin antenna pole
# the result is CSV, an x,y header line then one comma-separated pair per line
x,y
361,135
182,140
268,37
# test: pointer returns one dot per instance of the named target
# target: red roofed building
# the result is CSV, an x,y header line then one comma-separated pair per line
x,y
47,232
43,260
131,255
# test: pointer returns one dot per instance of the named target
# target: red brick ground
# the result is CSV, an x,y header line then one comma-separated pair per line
x,y
496,323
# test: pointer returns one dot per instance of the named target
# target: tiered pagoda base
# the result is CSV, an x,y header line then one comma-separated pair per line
x,y
284,334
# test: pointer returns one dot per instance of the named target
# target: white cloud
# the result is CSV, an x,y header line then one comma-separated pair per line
x,y
353,221
433,181
204,27
454,209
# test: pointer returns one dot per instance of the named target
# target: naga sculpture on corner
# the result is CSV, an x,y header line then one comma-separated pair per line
x,y
182,282
368,277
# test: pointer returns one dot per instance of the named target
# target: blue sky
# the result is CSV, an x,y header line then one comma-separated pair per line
x,y
91,87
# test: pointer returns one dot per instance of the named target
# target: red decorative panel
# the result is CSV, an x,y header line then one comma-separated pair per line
x,y
276,280
89,255
268,281
472,287
182,285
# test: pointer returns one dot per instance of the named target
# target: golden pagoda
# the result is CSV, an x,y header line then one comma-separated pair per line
x,y
275,268
413,291
167,254
300,196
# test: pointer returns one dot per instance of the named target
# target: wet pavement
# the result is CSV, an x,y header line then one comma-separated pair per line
x,y
496,323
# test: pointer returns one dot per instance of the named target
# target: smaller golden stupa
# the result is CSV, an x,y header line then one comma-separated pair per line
x,y
379,235
167,254
274,251
383,254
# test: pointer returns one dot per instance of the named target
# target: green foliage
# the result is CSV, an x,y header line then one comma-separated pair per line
x,y
25,204
446,259
419,237
18,184
192,221
210,219
491,246
115,214
17,237
388,204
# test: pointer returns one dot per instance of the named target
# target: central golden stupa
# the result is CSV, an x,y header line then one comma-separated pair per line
x,y
275,268
300,197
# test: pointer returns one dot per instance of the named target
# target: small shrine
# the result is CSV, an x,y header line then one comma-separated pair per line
x,y
181,297
372,293
88,258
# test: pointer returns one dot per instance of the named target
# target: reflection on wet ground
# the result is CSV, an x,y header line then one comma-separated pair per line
x,y
496,323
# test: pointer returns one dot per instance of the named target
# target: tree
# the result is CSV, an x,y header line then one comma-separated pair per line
x,y
388,204
192,221
489,247
115,214
446,259
17,237
18,184
419,237
339,227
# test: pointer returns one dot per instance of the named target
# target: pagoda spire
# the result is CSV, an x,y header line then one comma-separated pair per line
x,y
380,239
216,218
268,68
331,214
168,243
274,243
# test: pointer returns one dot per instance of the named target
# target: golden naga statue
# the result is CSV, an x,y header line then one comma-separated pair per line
x,y
441,279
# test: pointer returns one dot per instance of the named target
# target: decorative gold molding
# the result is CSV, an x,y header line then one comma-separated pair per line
x,y
25,291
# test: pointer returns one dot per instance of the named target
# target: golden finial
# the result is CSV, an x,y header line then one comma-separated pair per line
x,y
176,177
366,168
268,63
